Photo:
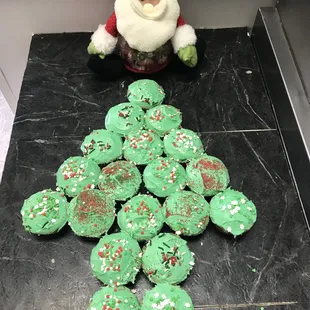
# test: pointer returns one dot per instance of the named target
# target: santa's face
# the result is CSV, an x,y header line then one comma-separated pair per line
x,y
150,9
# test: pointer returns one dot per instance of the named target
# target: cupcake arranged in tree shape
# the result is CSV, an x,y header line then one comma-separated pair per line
x,y
124,118
91,213
187,213
167,259
142,217
121,180
76,174
146,94
116,259
167,297
164,177
102,146
207,175
183,145
45,212
232,212
142,147
114,298
162,119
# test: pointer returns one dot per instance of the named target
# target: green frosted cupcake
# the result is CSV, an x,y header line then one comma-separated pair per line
x,y
76,174
110,298
207,175
142,217
44,213
91,213
142,147
167,297
102,146
183,145
124,118
167,259
146,94
164,177
187,213
162,119
232,212
121,180
116,259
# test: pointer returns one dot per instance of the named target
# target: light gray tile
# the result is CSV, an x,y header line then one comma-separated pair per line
x,y
1,169
6,123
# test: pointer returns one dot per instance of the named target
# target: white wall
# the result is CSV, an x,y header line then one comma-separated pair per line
x,y
20,18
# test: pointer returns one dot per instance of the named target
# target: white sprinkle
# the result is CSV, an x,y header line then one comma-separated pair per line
x,y
228,229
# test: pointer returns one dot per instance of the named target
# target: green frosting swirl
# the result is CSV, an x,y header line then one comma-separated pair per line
x,y
124,118
167,259
109,298
44,213
120,179
142,217
183,145
76,174
162,119
164,177
233,212
102,146
207,175
146,93
167,297
116,259
187,213
91,213
142,147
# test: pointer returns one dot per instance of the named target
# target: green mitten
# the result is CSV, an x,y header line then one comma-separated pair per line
x,y
189,56
93,51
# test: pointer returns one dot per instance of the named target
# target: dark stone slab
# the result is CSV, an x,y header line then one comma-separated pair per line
x,y
60,97
57,268
61,101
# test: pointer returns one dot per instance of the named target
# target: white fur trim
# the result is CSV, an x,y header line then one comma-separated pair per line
x,y
184,36
145,34
103,41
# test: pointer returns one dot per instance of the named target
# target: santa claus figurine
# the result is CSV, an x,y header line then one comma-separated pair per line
x,y
142,35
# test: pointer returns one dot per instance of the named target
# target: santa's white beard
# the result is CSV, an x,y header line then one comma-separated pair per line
x,y
146,31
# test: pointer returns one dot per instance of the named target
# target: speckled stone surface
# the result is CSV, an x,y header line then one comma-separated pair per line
x,y
224,100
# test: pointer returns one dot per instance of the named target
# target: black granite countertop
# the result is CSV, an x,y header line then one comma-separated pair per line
x,y
226,102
